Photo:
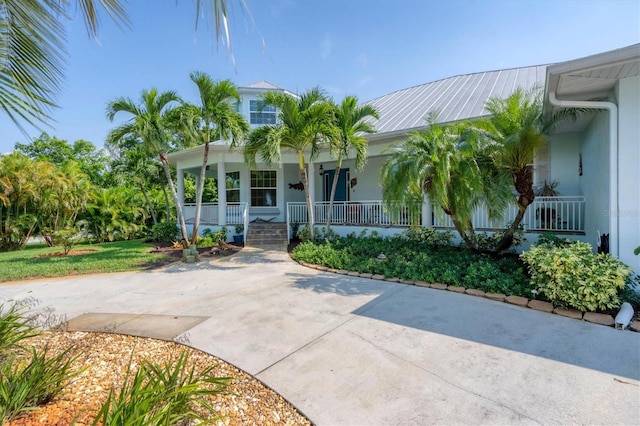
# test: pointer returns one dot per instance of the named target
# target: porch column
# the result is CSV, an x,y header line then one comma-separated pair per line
x,y
180,176
222,190
427,216
311,180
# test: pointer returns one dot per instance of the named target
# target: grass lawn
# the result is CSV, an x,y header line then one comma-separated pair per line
x,y
36,260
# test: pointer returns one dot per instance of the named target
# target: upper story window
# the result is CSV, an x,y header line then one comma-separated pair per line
x,y
260,113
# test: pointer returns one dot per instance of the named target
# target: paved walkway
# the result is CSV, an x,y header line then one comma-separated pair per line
x,y
353,351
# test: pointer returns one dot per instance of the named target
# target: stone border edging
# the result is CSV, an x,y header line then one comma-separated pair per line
x,y
538,305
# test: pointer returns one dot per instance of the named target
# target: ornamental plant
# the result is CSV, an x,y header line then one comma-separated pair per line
x,y
572,276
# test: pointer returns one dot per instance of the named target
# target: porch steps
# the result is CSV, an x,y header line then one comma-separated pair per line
x,y
262,234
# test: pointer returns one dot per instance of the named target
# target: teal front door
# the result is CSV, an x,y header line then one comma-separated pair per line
x,y
342,191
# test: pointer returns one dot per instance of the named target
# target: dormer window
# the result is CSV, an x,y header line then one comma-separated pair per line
x,y
260,113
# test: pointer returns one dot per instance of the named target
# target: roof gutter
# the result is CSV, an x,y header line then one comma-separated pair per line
x,y
614,245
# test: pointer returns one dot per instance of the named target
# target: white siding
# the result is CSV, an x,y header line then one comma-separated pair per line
x,y
629,174
594,182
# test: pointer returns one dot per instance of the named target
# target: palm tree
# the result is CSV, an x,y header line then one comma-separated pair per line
x,y
6,187
304,123
517,128
351,124
446,164
32,48
149,125
215,118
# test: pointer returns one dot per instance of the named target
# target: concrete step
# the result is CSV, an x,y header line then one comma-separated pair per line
x,y
267,233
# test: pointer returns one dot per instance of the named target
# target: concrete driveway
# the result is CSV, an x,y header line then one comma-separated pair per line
x,y
355,351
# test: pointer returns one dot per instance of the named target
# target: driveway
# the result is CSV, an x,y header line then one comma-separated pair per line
x,y
355,351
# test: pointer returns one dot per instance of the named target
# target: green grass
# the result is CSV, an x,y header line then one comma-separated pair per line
x,y
32,262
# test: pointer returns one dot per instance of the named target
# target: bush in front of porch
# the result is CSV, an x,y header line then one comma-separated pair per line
x,y
415,256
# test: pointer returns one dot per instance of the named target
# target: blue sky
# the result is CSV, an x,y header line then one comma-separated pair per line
x,y
366,48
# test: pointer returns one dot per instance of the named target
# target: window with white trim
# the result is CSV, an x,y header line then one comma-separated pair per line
x,y
233,187
263,188
261,113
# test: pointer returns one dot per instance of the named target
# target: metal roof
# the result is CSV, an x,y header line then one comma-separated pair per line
x,y
454,98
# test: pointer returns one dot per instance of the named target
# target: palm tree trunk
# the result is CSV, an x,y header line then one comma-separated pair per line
x,y
334,184
199,191
305,185
176,200
166,202
524,185
149,206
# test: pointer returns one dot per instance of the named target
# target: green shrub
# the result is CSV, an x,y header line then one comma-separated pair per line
x,y
66,238
15,326
162,395
419,258
218,236
572,276
429,236
25,385
165,232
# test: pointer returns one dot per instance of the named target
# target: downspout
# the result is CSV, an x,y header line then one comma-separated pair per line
x,y
614,245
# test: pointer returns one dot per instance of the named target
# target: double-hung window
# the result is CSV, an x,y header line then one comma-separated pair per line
x,y
263,188
261,113
233,187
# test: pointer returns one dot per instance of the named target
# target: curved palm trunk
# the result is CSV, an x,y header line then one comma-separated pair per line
x,y
166,203
524,186
149,206
334,184
305,185
176,200
199,191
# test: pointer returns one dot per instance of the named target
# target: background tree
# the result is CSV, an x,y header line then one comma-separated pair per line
x,y
214,118
304,123
149,124
350,122
91,161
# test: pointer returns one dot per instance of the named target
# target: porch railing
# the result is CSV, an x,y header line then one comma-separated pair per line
x,y
237,213
564,213
356,213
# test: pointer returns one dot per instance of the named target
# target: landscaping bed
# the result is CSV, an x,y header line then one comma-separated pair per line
x,y
103,360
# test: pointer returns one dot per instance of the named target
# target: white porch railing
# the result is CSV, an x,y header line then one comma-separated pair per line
x,y
237,213
356,213
564,213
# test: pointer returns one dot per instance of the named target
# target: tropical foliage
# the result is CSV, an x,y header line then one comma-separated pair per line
x,y
570,275
448,165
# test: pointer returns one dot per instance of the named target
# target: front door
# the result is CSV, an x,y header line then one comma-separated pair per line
x,y
342,191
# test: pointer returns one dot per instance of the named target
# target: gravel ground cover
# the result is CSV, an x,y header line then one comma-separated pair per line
x,y
103,361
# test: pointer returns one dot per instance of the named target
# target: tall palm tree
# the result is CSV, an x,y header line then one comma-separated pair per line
x,y
447,165
304,123
149,125
350,121
32,48
215,118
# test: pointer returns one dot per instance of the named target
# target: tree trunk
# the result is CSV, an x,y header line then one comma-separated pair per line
x,y
334,184
166,201
523,182
199,191
176,200
305,185
149,206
